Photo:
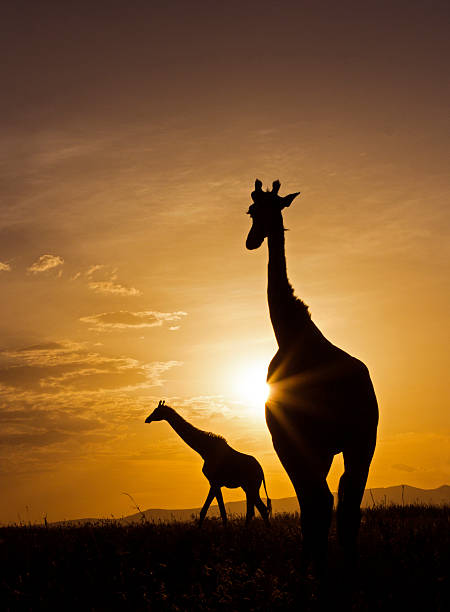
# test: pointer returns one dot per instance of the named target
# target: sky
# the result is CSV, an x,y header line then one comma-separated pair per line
x,y
132,133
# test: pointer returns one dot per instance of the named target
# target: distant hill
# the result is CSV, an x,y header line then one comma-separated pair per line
x,y
400,494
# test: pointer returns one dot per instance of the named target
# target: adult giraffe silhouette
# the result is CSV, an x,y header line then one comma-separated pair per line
x,y
322,400
223,466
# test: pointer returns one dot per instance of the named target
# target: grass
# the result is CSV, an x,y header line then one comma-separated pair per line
x,y
106,566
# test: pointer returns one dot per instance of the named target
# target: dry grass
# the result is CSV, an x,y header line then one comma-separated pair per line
x,y
105,566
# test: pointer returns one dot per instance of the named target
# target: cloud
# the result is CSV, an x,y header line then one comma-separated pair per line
x,y
58,399
106,282
124,319
61,367
201,406
4,267
95,268
110,286
28,426
34,439
46,262
44,354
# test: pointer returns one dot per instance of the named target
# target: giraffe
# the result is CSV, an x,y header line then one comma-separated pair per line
x,y
223,466
321,400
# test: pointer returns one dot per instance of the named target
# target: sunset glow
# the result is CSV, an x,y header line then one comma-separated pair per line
x,y
131,141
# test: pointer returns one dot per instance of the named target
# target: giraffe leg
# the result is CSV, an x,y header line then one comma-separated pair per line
x,y
206,505
250,506
308,475
350,494
223,512
263,510
316,507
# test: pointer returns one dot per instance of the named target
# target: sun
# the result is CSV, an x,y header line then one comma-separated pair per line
x,y
249,385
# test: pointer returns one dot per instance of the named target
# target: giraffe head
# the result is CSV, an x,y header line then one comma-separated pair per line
x,y
266,212
159,413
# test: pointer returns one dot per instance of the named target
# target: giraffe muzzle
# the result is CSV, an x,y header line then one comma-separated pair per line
x,y
254,239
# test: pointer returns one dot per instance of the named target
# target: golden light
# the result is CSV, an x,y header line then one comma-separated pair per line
x,y
249,385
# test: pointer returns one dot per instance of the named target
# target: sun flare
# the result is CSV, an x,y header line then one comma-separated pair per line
x,y
250,387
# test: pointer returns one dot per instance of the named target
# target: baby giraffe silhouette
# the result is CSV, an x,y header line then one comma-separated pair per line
x,y
223,466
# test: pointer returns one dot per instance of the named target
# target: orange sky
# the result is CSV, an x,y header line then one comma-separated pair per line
x,y
131,138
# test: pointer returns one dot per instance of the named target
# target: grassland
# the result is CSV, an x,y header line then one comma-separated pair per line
x,y
404,560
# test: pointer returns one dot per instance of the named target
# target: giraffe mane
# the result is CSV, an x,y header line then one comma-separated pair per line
x,y
214,436
209,435
300,306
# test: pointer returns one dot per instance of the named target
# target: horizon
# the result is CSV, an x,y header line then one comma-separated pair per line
x,y
274,499
132,140
138,511
373,501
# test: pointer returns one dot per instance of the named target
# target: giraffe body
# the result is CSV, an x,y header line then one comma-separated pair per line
x,y
226,469
223,465
321,402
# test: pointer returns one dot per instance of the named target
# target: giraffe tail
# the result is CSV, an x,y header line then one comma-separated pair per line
x,y
269,502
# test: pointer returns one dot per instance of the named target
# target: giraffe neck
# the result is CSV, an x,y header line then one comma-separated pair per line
x,y
197,439
287,313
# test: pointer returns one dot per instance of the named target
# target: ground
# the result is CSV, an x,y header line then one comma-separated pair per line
x,y
404,559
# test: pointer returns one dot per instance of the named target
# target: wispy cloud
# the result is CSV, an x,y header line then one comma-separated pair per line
x,y
93,269
60,367
104,279
4,267
43,354
45,263
201,406
110,286
124,319
57,397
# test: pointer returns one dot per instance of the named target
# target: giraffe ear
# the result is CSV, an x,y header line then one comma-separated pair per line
x,y
276,186
287,200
